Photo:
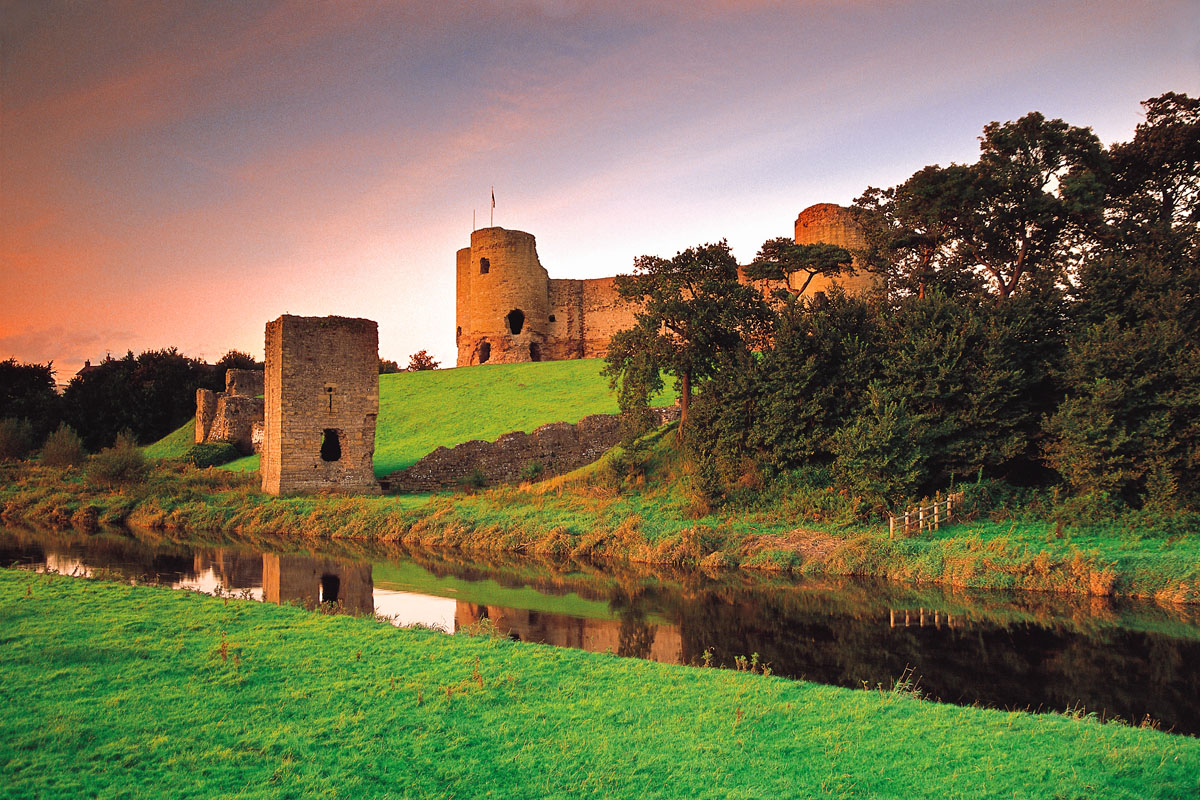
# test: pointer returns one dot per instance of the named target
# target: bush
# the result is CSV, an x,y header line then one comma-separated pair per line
x,y
532,471
63,448
123,463
16,439
211,454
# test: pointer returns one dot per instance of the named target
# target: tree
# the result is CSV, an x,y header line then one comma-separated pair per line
x,y
691,309
27,392
388,367
911,229
780,259
150,395
1156,177
421,361
1036,183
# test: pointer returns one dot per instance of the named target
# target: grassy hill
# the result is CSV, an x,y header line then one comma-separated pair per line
x,y
421,411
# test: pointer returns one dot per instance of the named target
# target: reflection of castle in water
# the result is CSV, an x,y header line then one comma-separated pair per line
x,y
313,581
299,579
631,635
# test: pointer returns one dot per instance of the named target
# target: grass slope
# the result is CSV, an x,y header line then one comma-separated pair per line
x,y
421,411
115,690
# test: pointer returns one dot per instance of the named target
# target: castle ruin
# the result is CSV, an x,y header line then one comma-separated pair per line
x,y
509,309
322,398
234,415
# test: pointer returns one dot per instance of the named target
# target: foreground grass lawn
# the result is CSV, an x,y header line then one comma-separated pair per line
x,y
422,411
114,690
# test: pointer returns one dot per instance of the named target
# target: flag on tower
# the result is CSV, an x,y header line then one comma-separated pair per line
x,y
493,197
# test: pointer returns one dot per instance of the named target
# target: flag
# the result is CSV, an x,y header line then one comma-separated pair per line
x,y
493,197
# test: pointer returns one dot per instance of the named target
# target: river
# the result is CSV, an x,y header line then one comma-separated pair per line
x,y
1012,651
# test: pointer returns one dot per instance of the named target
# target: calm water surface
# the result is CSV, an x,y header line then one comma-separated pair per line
x,y
1041,652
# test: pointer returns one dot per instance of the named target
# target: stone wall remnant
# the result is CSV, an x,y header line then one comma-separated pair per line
x,y
322,400
556,448
229,416
500,275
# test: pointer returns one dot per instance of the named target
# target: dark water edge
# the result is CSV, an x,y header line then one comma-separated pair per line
x,y
1040,652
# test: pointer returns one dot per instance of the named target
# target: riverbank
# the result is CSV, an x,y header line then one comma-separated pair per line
x,y
141,691
652,522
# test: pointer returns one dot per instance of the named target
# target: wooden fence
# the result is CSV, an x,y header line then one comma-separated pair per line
x,y
923,518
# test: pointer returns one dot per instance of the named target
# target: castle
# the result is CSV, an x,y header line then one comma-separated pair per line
x,y
509,309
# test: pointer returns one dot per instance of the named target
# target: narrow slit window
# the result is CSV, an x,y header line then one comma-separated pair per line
x,y
485,266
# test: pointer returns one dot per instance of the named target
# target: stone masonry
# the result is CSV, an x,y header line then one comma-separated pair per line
x,y
556,448
230,416
322,399
509,309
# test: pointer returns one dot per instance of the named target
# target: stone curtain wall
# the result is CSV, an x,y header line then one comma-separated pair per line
x,y
322,399
230,416
832,224
572,318
558,448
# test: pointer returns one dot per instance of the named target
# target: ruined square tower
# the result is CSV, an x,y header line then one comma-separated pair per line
x,y
322,398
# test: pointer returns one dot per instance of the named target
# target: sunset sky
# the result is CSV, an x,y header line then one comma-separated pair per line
x,y
178,173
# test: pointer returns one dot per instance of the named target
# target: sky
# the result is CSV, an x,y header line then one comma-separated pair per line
x,y
177,174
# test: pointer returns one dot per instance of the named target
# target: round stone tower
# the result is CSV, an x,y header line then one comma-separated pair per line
x,y
503,300
833,224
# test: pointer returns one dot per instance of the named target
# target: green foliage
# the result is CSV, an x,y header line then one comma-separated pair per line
x,y
63,448
27,392
16,439
151,395
1132,415
877,456
210,454
388,367
1156,186
532,471
692,309
781,259
122,464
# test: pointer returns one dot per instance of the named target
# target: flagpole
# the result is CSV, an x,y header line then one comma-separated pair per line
x,y
472,220
492,218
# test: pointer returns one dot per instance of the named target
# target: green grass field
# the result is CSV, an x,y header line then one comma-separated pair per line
x,y
421,411
120,691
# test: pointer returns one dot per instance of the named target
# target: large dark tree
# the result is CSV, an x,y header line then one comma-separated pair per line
x,y
150,395
1156,177
691,309
27,392
911,231
1039,191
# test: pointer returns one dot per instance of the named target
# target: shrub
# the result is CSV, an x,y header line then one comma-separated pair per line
x,y
210,454
63,448
123,463
473,480
532,471
16,439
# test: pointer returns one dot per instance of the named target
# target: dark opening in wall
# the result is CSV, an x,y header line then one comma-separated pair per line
x,y
330,585
331,445
485,352
552,318
484,266
458,332
516,321
535,351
